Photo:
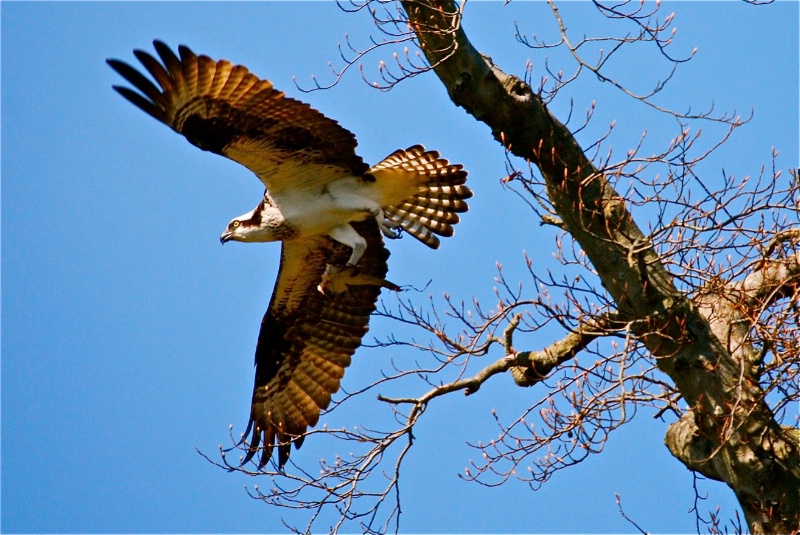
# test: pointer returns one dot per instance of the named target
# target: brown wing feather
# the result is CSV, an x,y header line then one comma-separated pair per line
x,y
307,339
225,109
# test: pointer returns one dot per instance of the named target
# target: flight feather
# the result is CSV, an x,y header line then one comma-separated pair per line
x,y
307,339
327,207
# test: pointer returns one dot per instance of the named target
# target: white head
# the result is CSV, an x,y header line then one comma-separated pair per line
x,y
264,223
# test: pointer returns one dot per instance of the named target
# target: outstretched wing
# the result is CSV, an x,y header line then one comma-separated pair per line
x,y
307,339
225,109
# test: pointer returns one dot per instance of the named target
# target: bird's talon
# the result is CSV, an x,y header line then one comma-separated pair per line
x,y
391,234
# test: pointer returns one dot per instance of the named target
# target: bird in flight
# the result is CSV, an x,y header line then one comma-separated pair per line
x,y
328,208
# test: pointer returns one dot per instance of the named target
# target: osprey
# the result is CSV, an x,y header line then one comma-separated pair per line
x,y
322,202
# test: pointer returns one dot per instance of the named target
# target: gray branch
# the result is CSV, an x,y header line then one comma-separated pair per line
x,y
532,367
752,453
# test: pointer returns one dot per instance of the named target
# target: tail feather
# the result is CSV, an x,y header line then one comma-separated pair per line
x,y
451,203
438,192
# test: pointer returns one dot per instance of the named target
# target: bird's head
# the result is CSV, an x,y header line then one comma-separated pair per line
x,y
261,224
241,229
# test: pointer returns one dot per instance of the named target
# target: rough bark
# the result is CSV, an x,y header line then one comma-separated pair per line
x,y
730,433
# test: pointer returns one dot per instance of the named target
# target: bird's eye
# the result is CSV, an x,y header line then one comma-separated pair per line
x,y
236,224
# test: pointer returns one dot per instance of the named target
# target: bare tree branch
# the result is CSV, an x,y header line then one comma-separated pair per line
x,y
694,313
727,405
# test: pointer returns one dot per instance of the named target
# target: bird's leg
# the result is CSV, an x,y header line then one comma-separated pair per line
x,y
347,235
358,252
385,224
339,279
347,196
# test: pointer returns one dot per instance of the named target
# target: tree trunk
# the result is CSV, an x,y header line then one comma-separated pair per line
x,y
730,434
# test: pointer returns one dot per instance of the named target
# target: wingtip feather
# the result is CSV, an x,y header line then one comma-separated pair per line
x,y
186,52
140,102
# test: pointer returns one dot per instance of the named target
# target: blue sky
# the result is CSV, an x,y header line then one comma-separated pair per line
x,y
128,331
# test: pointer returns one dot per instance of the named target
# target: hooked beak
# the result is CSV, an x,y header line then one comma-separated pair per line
x,y
225,237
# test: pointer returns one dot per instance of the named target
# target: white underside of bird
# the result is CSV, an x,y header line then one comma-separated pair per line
x,y
300,213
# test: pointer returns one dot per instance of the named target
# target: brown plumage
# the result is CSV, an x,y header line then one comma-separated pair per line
x,y
307,339
325,205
